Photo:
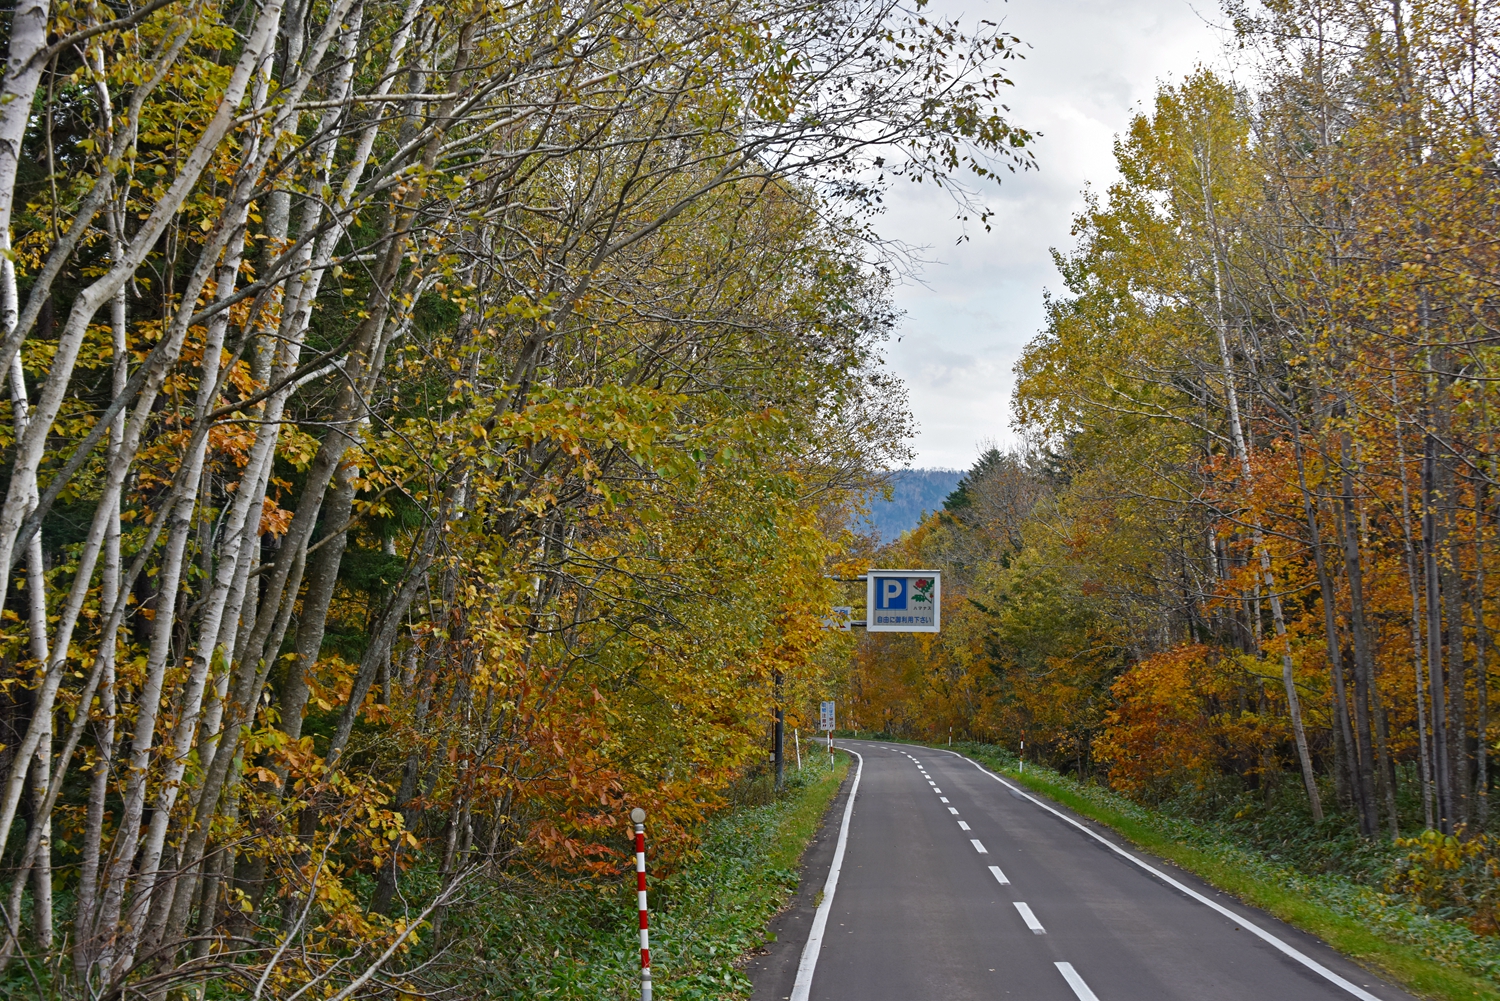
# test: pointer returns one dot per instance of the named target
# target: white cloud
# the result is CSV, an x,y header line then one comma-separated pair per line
x,y
1092,64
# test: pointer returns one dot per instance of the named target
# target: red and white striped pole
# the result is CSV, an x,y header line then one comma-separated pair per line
x,y
638,817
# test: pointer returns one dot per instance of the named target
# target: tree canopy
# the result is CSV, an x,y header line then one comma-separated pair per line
x,y
428,429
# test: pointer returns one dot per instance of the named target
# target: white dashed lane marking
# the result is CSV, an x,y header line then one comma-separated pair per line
x,y
1030,918
979,846
999,876
1080,988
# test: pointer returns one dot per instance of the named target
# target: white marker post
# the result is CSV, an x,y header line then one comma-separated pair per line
x,y
638,817
796,743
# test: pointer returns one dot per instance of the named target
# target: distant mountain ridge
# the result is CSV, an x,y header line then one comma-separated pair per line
x,y
913,493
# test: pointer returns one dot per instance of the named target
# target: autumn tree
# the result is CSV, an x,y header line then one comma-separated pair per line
x,y
407,406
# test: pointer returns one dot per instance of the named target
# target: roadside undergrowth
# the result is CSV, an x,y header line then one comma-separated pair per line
x,y
580,943
1403,940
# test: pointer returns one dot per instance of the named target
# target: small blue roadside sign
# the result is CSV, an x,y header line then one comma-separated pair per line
x,y
903,601
841,620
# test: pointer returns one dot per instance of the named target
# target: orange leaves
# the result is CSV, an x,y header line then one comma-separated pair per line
x,y
1162,731
274,518
330,682
231,442
259,774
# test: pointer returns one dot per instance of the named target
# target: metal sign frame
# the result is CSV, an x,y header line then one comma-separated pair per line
x,y
888,610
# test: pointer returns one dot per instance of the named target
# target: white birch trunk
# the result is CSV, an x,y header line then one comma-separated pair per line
x,y
31,447
23,71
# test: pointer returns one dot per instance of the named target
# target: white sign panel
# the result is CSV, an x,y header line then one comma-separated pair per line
x,y
825,716
842,619
903,601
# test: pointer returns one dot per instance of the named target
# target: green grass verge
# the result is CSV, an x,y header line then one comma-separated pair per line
x,y
580,944
1427,955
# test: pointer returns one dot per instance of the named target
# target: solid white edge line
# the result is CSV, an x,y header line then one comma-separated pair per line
x,y
1250,926
809,962
999,876
1076,982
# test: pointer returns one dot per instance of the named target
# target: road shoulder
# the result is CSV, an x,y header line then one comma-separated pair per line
x,y
773,968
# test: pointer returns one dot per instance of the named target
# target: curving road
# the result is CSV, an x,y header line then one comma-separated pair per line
x,y
950,883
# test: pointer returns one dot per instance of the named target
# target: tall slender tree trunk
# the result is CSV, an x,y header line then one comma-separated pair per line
x,y
1343,733
1451,573
1481,656
1288,681
109,593
41,766
1384,760
1424,743
1435,687
1369,821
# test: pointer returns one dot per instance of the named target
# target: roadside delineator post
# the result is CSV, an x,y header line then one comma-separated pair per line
x,y
638,817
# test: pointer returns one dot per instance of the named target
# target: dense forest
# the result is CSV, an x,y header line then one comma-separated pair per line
x,y
913,494
426,431
1252,553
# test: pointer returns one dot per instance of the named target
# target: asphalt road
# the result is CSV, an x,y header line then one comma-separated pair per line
x,y
954,885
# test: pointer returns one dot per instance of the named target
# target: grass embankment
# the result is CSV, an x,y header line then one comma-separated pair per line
x,y
1422,951
581,944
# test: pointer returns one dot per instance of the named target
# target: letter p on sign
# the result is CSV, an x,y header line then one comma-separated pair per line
x,y
892,592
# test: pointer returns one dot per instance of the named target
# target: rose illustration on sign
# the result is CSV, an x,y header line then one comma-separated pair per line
x,y
921,590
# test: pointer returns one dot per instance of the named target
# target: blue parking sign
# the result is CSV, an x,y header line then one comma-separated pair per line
x,y
903,601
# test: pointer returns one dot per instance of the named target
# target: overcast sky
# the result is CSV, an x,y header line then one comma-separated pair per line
x,y
1091,65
